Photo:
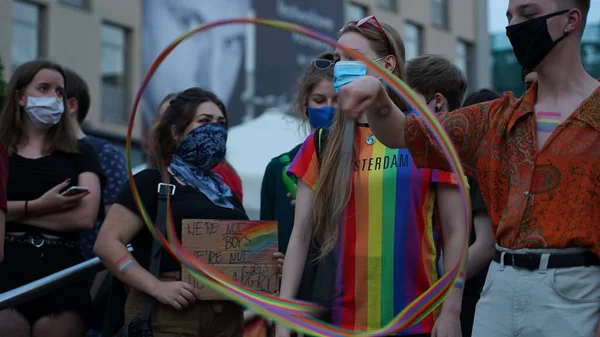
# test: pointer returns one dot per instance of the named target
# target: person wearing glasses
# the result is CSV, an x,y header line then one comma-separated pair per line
x,y
536,159
386,232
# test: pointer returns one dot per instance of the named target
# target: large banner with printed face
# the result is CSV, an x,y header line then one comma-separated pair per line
x,y
250,68
212,60
281,56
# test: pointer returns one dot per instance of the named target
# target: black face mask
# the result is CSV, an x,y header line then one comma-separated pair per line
x,y
531,40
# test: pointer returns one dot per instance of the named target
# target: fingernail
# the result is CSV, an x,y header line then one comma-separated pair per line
x,y
68,180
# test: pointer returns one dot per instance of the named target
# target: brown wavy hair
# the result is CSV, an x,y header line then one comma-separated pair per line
x,y
309,78
335,172
60,137
179,113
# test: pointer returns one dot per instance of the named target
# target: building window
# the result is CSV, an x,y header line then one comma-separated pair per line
x,y
114,73
439,13
464,59
412,40
25,33
83,4
355,12
390,5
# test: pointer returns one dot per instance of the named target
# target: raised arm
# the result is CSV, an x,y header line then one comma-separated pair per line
x,y
368,94
467,127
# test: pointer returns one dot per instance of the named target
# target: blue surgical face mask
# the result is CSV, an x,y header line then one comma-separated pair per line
x,y
345,72
320,117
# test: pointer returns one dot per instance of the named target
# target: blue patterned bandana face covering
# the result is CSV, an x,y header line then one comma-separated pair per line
x,y
201,150
345,72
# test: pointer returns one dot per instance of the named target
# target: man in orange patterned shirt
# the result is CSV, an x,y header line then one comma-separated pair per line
x,y
537,160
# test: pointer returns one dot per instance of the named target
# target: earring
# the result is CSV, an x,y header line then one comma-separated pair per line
x,y
566,30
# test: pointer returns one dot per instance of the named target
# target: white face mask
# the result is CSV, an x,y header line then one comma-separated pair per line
x,y
44,112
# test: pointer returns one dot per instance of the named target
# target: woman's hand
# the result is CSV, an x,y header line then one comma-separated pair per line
x,y
177,294
280,259
53,202
364,94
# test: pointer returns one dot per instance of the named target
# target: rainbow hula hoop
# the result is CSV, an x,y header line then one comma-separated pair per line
x,y
298,315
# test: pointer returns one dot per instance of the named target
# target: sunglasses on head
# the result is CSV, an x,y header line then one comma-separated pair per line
x,y
372,20
323,64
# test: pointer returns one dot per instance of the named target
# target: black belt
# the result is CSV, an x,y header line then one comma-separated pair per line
x,y
39,241
531,261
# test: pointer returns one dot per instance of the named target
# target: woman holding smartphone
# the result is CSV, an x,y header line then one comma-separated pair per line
x,y
42,227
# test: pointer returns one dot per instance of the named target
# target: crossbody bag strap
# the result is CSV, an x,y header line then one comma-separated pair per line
x,y
317,144
320,142
164,191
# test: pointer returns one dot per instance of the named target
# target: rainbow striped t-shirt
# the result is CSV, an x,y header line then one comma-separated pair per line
x,y
388,253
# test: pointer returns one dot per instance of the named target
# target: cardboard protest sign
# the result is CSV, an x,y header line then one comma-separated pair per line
x,y
242,250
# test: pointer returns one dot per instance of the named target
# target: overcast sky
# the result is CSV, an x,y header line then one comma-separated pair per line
x,y
497,20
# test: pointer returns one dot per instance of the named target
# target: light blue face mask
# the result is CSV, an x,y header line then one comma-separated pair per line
x,y
345,72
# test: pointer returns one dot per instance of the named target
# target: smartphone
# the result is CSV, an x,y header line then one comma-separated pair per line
x,y
74,190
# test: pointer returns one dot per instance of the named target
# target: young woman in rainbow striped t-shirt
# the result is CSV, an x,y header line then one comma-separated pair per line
x,y
394,219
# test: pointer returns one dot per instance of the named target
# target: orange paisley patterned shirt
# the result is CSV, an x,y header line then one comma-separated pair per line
x,y
549,199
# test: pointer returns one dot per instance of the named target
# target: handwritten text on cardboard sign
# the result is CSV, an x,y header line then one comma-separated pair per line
x,y
242,250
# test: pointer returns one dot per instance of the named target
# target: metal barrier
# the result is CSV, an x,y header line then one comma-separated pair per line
x,y
42,286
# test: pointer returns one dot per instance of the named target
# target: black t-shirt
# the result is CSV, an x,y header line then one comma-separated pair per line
x,y
274,202
29,179
186,203
477,205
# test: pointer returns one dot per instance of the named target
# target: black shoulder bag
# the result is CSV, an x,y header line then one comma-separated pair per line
x,y
141,326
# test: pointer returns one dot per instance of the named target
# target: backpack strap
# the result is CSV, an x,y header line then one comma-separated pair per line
x,y
320,140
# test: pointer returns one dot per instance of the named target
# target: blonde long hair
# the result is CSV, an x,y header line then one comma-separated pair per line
x,y
336,167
